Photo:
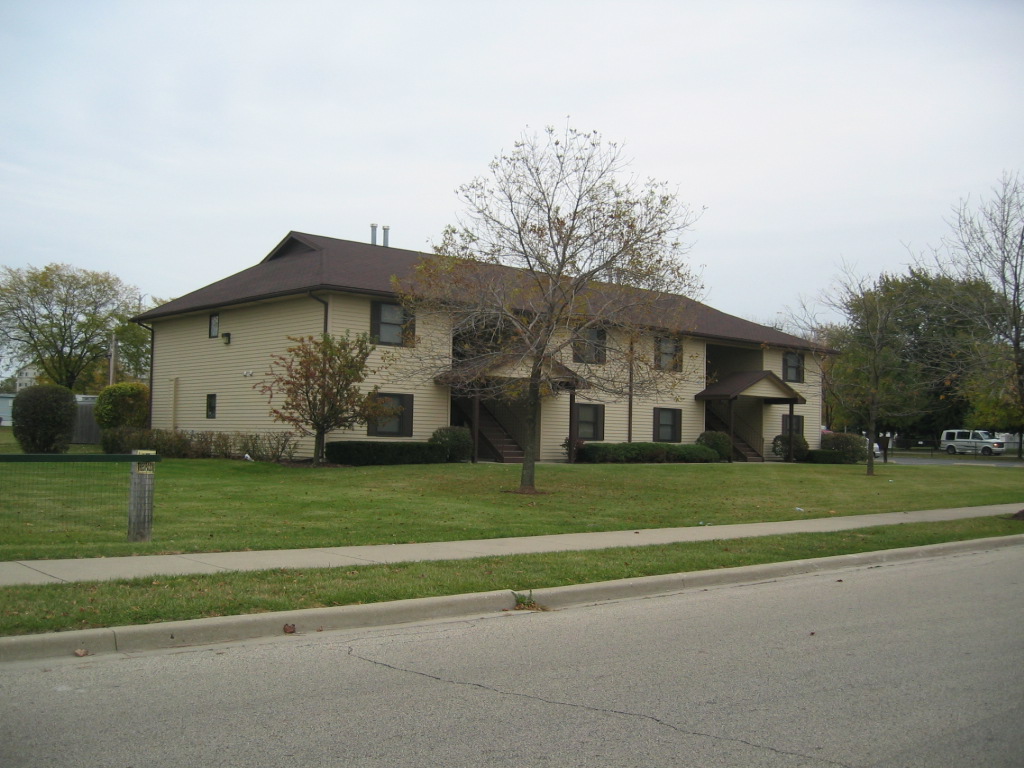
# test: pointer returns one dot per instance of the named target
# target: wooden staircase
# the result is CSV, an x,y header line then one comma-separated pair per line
x,y
495,441
741,450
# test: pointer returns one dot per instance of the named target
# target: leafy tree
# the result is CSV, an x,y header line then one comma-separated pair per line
x,y
317,381
123,405
993,401
44,418
132,344
875,376
987,245
60,318
592,256
935,342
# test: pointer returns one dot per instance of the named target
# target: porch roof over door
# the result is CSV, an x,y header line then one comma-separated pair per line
x,y
483,373
764,385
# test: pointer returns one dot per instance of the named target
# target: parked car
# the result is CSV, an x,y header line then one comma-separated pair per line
x,y
955,441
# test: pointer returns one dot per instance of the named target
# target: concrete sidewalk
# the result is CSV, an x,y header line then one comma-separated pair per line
x,y
107,568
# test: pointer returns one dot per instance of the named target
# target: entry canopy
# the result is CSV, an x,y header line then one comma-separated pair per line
x,y
764,385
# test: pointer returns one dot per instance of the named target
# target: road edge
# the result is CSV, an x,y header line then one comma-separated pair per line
x,y
226,629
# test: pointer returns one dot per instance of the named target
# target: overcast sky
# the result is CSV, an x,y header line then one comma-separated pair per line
x,y
174,142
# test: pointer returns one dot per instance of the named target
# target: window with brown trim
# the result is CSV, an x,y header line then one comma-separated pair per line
x,y
793,367
798,424
589,346
668,425
214,327
668,353
589,421
399,425
211,406
391,325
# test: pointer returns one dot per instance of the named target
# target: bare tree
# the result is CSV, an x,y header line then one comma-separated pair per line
x,y
986,244
556,270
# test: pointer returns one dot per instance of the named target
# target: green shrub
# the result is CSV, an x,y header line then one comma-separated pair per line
x,y
579,447
123,440
825,456
361,453
44,418
181,444
645,453
265,446
853,448
123,405
457,441
694,454
716,441
780,447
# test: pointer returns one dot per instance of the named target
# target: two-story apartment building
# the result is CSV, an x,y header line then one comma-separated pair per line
x,y
211,346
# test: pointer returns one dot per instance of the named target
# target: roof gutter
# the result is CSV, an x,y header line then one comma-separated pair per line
x,y
326,308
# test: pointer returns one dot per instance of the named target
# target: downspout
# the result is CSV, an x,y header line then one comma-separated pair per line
x,y
326,307
574,429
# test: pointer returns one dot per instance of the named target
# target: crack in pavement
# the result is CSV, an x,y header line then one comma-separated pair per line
x,y
599,710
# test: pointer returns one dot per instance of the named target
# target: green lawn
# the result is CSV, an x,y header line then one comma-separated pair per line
x,y
221,505
217,505
59,607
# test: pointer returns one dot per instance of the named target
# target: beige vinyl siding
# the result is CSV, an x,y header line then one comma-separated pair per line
x,y
810,388
675,390
397,368
188,366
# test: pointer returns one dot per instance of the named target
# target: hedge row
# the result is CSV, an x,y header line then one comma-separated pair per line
x,y
362,453
824,456
852,448
186,444
645,453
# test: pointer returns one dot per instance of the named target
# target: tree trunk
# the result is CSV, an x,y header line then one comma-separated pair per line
x,y
528,476
318,448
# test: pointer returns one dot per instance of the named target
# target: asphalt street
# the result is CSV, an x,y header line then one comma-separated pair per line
x,y
918,663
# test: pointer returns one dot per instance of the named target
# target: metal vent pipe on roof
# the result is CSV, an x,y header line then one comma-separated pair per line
x,y
386,228
373,234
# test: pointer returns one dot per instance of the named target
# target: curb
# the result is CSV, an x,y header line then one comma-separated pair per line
x,y
226,629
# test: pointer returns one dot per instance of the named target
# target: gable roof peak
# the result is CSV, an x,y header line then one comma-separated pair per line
x,y
294,243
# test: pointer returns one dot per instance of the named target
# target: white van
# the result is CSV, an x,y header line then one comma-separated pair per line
x,y
971,441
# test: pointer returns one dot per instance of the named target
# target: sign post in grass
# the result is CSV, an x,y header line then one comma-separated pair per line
x,y
140,502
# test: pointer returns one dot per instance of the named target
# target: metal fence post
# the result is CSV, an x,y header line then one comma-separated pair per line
x,y
140,502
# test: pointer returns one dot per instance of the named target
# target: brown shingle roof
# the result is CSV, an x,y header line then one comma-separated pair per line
x,y
302,263
736,384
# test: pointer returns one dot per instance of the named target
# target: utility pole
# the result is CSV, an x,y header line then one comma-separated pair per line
x,y
112,357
